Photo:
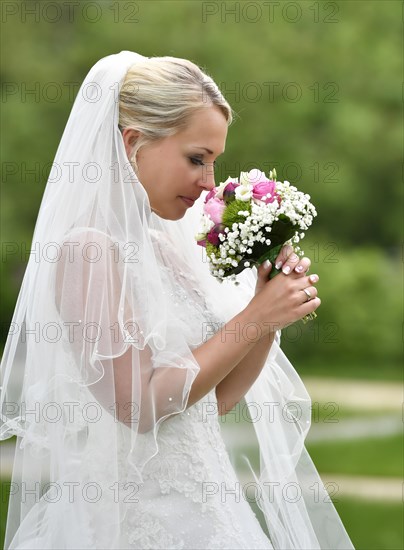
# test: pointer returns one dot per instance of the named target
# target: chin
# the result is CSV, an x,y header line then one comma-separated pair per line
x,y
169,215
170,210
175,217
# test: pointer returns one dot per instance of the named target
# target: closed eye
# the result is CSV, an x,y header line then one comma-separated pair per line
x,y
199,162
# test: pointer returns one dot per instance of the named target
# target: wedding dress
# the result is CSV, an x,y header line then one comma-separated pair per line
x,y
191,481
191,496
114,280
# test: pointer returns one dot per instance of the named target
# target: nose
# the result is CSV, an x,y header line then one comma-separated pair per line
x,y
207,181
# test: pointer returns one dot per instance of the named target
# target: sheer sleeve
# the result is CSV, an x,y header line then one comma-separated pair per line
x,y
108,342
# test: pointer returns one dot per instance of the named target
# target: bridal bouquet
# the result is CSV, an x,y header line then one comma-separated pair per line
x,y
247,222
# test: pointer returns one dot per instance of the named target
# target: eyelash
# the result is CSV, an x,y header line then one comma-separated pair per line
x,y
199,162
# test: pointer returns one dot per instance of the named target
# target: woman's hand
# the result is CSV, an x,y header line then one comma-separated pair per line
x,y
288,260
282,301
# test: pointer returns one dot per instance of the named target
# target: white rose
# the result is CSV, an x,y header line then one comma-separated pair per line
x,y
205,227
244,192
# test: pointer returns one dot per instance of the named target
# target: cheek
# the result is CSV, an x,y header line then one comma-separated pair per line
x,y
177,174
166,177
151,172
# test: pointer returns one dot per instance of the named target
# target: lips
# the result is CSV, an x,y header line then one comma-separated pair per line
x,y
188,200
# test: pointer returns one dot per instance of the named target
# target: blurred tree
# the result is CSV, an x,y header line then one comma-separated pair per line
x,y
317,90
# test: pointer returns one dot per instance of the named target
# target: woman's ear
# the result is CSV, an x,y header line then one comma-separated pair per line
x,y
130,137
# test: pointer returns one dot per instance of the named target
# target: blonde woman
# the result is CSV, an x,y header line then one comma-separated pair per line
x,y
138,350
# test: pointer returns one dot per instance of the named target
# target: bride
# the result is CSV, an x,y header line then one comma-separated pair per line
x,y
124,350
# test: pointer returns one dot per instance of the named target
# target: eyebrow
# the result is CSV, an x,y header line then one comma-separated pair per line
x,y
208,150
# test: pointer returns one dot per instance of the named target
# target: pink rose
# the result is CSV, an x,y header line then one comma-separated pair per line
x,y
264,187
214,209
210,195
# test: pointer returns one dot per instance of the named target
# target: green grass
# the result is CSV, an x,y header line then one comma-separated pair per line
x,y
381,457
363,457
356,371
326,412
5,485
332,413
370,525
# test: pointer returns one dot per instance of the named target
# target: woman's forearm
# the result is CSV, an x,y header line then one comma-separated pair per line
x,y
237,383
162,388
221,354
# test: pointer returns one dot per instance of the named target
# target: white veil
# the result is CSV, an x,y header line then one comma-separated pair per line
x,y
93,321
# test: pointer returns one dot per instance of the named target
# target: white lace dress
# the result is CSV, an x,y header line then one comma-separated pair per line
x,y
191,497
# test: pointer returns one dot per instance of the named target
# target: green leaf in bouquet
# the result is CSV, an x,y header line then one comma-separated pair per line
x,y
231,212
282,231
211,249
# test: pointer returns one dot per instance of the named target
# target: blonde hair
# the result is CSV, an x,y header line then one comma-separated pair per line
x,y
158,96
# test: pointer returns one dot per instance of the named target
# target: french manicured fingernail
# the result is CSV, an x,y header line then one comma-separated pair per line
x,y
278,265
299,268
286,269
267,263
313,278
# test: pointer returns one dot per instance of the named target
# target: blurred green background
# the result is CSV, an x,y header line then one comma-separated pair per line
x,y
317,91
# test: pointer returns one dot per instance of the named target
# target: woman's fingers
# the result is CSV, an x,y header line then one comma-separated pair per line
x,y
289,261
263,271
294,263
302,266
283,255
285,300
310,306
308,294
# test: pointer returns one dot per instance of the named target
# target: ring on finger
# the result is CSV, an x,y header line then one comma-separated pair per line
x,y
308,294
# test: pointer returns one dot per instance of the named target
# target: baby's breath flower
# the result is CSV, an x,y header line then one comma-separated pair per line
x,y
239,237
